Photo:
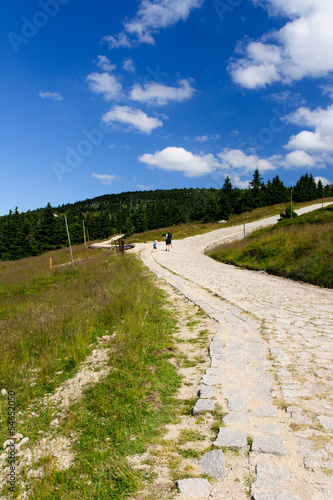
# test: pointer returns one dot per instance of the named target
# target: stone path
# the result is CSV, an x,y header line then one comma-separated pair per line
x,y
271,370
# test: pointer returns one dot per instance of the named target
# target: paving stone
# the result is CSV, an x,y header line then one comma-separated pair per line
x,y
266,411
212,463
262,388
237,404
271,475
232,439
326,422
270,483
235,417
194,489
208,391
269,444
210,380
203,405
217,361
216,348
299,418
216,372
316,459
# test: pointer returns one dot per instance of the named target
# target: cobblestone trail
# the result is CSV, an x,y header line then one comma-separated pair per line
x,y
271,370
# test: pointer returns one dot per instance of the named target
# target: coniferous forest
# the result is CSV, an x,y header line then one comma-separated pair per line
x,y
38,231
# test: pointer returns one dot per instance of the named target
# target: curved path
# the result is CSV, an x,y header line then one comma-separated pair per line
x,y
271,367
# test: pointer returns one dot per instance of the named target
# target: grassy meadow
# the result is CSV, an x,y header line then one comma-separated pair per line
x,y
50,320
300,248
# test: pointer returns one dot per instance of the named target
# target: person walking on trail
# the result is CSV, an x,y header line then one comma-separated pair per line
x,y
168,241
155,246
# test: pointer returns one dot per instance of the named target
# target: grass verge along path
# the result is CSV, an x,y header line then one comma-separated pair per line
x,y
299,249
51,321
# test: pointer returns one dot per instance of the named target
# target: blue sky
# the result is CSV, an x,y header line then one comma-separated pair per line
x,y
105,97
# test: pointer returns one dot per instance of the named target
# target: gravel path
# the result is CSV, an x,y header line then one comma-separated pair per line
x,y
271,369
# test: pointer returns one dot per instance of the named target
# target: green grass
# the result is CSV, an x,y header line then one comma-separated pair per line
x,y
299,249
51,320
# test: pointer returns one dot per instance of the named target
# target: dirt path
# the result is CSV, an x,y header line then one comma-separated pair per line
x,y
271,371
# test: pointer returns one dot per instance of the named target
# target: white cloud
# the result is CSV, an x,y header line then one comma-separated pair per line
x,y
50,95
321,120
299,159
253,76
303,47
105,84
128,65
121,40
105,63
237,159
205,138
152,16
105,178
133,117
159,94
325,182
175,159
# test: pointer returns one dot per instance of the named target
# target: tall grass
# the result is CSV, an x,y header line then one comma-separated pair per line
x,y
51,320
300,249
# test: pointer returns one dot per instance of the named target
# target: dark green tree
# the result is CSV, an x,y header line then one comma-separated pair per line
x,y
305,189
49,230
256,186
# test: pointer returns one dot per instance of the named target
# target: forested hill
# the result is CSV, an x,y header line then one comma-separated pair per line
x,y
34,232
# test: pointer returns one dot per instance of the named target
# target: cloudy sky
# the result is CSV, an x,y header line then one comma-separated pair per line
x,y
105,97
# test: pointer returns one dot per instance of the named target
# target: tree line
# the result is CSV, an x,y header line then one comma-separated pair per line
x,y
38,231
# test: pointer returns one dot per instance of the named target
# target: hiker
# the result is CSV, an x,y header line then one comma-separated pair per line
x,y
168,241
155,246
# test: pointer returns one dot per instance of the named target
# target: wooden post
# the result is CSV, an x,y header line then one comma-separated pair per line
x,y
69,242
84,235
50,262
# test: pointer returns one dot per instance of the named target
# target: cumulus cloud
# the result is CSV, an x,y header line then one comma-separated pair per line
x,y
105,63
318,140
175,159
159,94
303,47
50,95
135,118
151,17
237,159
105,84
299,159
105,178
